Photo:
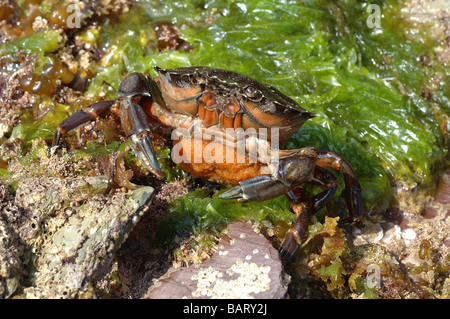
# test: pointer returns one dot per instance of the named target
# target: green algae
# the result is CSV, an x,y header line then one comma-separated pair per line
x,y
31,128
197,212
41,42
332,271
365,288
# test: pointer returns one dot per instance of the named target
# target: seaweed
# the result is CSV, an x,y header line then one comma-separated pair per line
x,y
197,212
40,42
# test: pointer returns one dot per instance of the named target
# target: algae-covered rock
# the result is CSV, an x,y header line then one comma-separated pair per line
x,y
74,236
12,247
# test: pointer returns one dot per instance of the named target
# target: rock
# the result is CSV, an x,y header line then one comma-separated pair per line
x,y
440,206
245,266
11,268
12,248
370,234
74,231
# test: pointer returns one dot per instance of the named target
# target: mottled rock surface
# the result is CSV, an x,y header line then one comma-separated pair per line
x,y
417,243
244,266
11,251
71,236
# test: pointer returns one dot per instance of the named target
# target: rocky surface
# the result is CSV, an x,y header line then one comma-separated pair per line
x,y
433,16
417,239
69,242
245,265
11,266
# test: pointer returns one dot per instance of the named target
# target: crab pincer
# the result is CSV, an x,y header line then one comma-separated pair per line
x,y
294,168
132,91
139,135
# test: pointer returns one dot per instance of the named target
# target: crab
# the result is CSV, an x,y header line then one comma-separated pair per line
x,y
195,103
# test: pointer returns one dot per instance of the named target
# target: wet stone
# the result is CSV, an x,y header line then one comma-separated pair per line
x,y
245,265
11,268
75,235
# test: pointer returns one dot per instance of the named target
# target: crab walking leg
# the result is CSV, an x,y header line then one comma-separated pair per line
x,y
301,204
112,184
305,207
353,194
328,182
81,118
170,119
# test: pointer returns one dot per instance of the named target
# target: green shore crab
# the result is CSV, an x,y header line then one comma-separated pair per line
x,y
228,128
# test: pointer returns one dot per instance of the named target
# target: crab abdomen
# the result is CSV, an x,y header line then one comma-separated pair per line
x,y
216,162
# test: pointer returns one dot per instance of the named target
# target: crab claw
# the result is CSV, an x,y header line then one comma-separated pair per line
x,y
135,126
291,171
258,188
143,147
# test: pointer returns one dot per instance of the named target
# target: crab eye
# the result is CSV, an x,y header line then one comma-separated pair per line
x,y
253,94
185,79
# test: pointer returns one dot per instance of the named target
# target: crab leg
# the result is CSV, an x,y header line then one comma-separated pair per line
x,y
302,206
80,118
305,207
135,84
352,188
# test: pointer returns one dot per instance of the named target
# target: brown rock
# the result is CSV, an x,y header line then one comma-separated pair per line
x,y
245,266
